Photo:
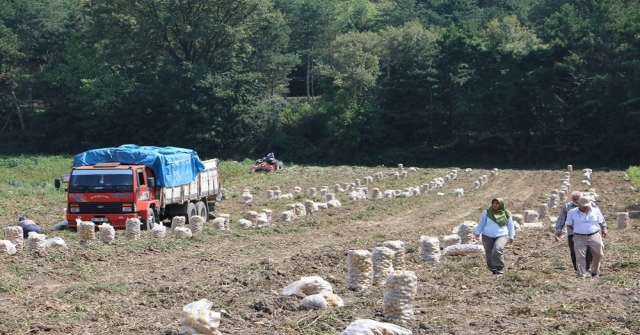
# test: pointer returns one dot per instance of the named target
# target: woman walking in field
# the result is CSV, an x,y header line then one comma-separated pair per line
x,y
496,228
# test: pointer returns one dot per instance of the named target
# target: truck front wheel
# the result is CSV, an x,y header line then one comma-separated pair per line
x,y
151,221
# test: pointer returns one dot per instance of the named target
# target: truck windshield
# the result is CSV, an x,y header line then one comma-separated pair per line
x,y
101,181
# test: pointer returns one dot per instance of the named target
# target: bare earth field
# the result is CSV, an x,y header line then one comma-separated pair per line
x,y
140,287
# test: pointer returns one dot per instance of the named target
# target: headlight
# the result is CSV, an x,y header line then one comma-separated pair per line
x,y
74,208
127,208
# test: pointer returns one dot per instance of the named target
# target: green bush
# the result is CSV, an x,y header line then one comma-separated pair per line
x,y
235,169
634,174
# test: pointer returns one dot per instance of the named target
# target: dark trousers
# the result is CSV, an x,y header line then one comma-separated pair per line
x,y
573,254
26,229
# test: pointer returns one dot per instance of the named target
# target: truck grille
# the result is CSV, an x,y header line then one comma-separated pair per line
x,y
100,208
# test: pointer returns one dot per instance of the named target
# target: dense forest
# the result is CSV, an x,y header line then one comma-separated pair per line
x,y
326,82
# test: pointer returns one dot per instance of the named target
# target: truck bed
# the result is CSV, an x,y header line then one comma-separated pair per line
x,y
206,185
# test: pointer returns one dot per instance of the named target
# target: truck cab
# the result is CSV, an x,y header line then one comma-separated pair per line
x,y
112,193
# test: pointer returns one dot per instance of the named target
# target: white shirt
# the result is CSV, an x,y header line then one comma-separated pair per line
x,y
586,223
490,228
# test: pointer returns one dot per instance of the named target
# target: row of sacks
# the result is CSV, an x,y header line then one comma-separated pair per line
x,y
410,169
422,189
556,198
417,190
400,174
264,218
313,192
35,242
249,220
107,234
433,184
87,234
307,208
586,177
484,179
274,193
356,192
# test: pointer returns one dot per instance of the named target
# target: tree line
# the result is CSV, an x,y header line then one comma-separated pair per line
x,y
336,81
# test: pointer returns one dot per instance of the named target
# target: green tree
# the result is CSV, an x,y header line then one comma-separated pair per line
x,y
357,15
192,73
410,88
32,33
9,58
595,49
350,75
314,25
457,63
509,94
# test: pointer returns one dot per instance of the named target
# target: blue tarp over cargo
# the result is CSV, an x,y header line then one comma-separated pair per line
x,y
172,166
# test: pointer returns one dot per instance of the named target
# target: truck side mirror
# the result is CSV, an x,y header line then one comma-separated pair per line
x,y
56,183
151,182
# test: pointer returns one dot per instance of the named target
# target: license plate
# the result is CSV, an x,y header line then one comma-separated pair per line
x,y
99,220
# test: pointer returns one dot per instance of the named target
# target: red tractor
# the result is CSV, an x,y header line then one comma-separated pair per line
x,y
267,164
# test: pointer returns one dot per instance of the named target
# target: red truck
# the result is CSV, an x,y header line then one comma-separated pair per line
x,y
151,186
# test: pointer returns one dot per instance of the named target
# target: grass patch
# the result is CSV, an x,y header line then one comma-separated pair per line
x,y
81,271
113,288
329,321
358,216
72,316
627,264
599,329
21,271
634,174
557,311
6,286
31,177
620,280
280,230
234,169
240,234
55,258
169,244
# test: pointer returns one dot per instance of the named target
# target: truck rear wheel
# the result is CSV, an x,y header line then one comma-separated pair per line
x,y
191,211
151,221
202,210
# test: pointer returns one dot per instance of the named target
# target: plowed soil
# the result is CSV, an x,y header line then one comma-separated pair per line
x,y
140,287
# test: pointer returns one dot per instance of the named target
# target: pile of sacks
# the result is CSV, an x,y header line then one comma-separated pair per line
x,y
462,242
317,291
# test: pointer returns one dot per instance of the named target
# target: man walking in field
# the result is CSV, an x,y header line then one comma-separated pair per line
x,y
560,223
589,227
